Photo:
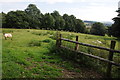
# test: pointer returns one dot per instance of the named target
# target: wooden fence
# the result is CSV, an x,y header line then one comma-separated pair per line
x,y
110,57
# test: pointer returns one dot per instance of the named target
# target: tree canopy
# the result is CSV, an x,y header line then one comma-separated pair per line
x,y
33,11
98,29
32,18
115,29
16,19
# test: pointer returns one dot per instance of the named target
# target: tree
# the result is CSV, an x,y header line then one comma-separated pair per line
x,y
73,24
66,18
31,17
69,22
3,20
33,11
72,21
34,16
48,21
80,27
17,19
98,29
59,21
115,29
109,31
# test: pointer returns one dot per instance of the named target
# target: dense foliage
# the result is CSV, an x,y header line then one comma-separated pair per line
x,y
16,19
115,29
98,29
32,18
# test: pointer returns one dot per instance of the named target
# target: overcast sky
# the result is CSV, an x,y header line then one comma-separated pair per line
x,y
95,10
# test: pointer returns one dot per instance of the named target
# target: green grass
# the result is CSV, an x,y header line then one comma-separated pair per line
x,y
91,39
29,53
23,56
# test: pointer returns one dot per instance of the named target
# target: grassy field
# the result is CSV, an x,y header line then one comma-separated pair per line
x,y
28,54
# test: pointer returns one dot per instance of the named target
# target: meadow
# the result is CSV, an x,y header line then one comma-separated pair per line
x,y
30,54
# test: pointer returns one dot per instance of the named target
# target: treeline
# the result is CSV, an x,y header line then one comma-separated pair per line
x,y
32,18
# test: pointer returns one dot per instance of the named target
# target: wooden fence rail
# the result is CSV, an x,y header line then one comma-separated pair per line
x,y
112,50
110,57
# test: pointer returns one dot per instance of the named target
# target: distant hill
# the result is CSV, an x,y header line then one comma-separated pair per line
x,y
107,23
89,23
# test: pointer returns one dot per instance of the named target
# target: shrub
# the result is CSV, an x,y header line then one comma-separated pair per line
x,y
47,40
98,29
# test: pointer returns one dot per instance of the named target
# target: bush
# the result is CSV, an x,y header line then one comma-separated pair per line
x,y
47,40
98,29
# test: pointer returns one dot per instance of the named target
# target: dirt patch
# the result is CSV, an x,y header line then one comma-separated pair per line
x,y
84,73
70,74
28,59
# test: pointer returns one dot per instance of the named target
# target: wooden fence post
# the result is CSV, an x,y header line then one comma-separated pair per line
x,y
57,39
60,40
110,57
77,45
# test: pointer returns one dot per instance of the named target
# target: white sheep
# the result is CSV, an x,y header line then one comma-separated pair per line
x,y
7,35
99,41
